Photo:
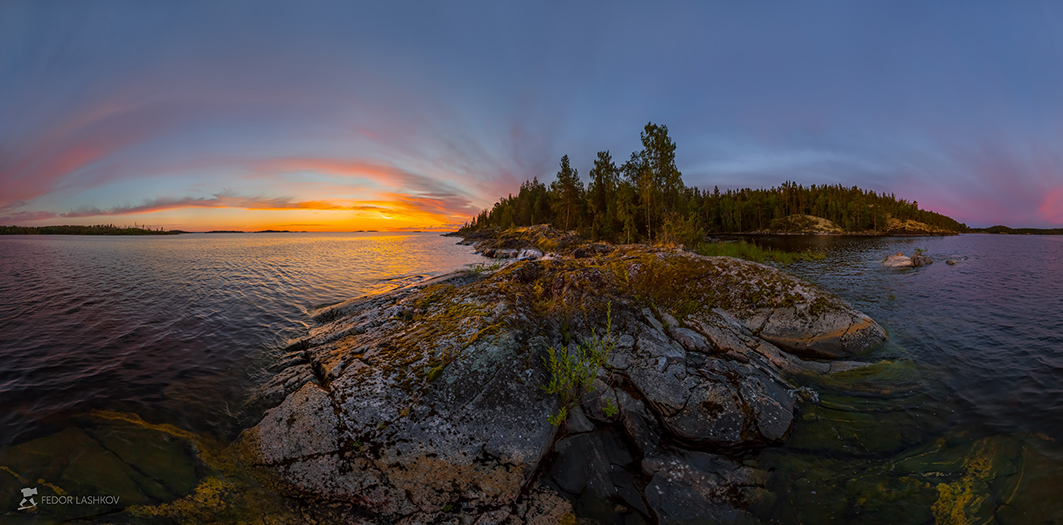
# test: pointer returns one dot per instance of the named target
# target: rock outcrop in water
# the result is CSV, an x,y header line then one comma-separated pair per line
x,y
902,261
426,403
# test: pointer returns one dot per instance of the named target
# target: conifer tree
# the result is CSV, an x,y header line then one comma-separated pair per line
x,y
568,191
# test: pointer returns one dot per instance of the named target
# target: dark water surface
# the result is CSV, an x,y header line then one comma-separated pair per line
x,y
123,362
171,328
163,331
961,421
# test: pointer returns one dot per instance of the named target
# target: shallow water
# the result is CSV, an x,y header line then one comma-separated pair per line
x,y
961,422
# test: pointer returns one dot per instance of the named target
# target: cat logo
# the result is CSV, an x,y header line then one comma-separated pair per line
x,y
27,498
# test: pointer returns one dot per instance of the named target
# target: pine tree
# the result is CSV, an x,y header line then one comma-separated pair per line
x,y
569,194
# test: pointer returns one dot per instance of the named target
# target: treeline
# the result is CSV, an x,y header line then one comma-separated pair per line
x,y
1018,231
97,229
644,199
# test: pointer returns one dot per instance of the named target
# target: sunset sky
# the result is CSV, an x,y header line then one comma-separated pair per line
x,y
415,115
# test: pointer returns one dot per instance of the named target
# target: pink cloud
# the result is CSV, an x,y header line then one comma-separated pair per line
x,y
26,216
32,175
39,163
389,176
1051,208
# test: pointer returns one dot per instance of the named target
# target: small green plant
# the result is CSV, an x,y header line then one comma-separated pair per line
x,y
482,268
920,251
610,407
434,373
559,417
571,373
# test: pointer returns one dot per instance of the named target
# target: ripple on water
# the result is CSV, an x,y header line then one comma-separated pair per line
x,y
96,322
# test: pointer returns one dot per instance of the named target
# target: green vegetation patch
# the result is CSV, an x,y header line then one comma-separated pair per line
x,y
752,252
573,372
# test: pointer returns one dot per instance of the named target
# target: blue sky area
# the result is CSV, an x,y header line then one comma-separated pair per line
x,y
391,115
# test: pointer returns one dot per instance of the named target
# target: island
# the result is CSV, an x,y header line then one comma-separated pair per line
x,y
1004,230
636,375
98,229
607,356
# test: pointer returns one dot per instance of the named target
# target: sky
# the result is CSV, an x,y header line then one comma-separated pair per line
x,y
339,116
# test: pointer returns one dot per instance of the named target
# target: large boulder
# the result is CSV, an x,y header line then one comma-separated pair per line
x,y
897,261
415,402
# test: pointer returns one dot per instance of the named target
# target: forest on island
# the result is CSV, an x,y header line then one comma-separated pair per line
x,y
96,229
644,199
1017,231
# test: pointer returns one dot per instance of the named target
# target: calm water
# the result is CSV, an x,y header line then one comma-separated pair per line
x,y
964,416
960,420
174,328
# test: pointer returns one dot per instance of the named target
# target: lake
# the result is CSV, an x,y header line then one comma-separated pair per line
x,y
171,329
963,417
126,359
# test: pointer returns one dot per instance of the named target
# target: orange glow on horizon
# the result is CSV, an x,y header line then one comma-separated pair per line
x,y
393,217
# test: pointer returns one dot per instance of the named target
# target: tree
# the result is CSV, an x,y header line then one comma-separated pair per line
x,y
626,210
658,150
638,175
569,194
645,199
601,196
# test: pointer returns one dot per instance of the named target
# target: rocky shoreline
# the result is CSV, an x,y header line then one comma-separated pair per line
x,y
426,404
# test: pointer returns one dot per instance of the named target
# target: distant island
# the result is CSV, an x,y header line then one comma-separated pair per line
x,y
98,229
1017,231
645,199
260,231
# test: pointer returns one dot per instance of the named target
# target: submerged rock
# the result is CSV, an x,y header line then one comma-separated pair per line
x,y
698,487
430,398
921,260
